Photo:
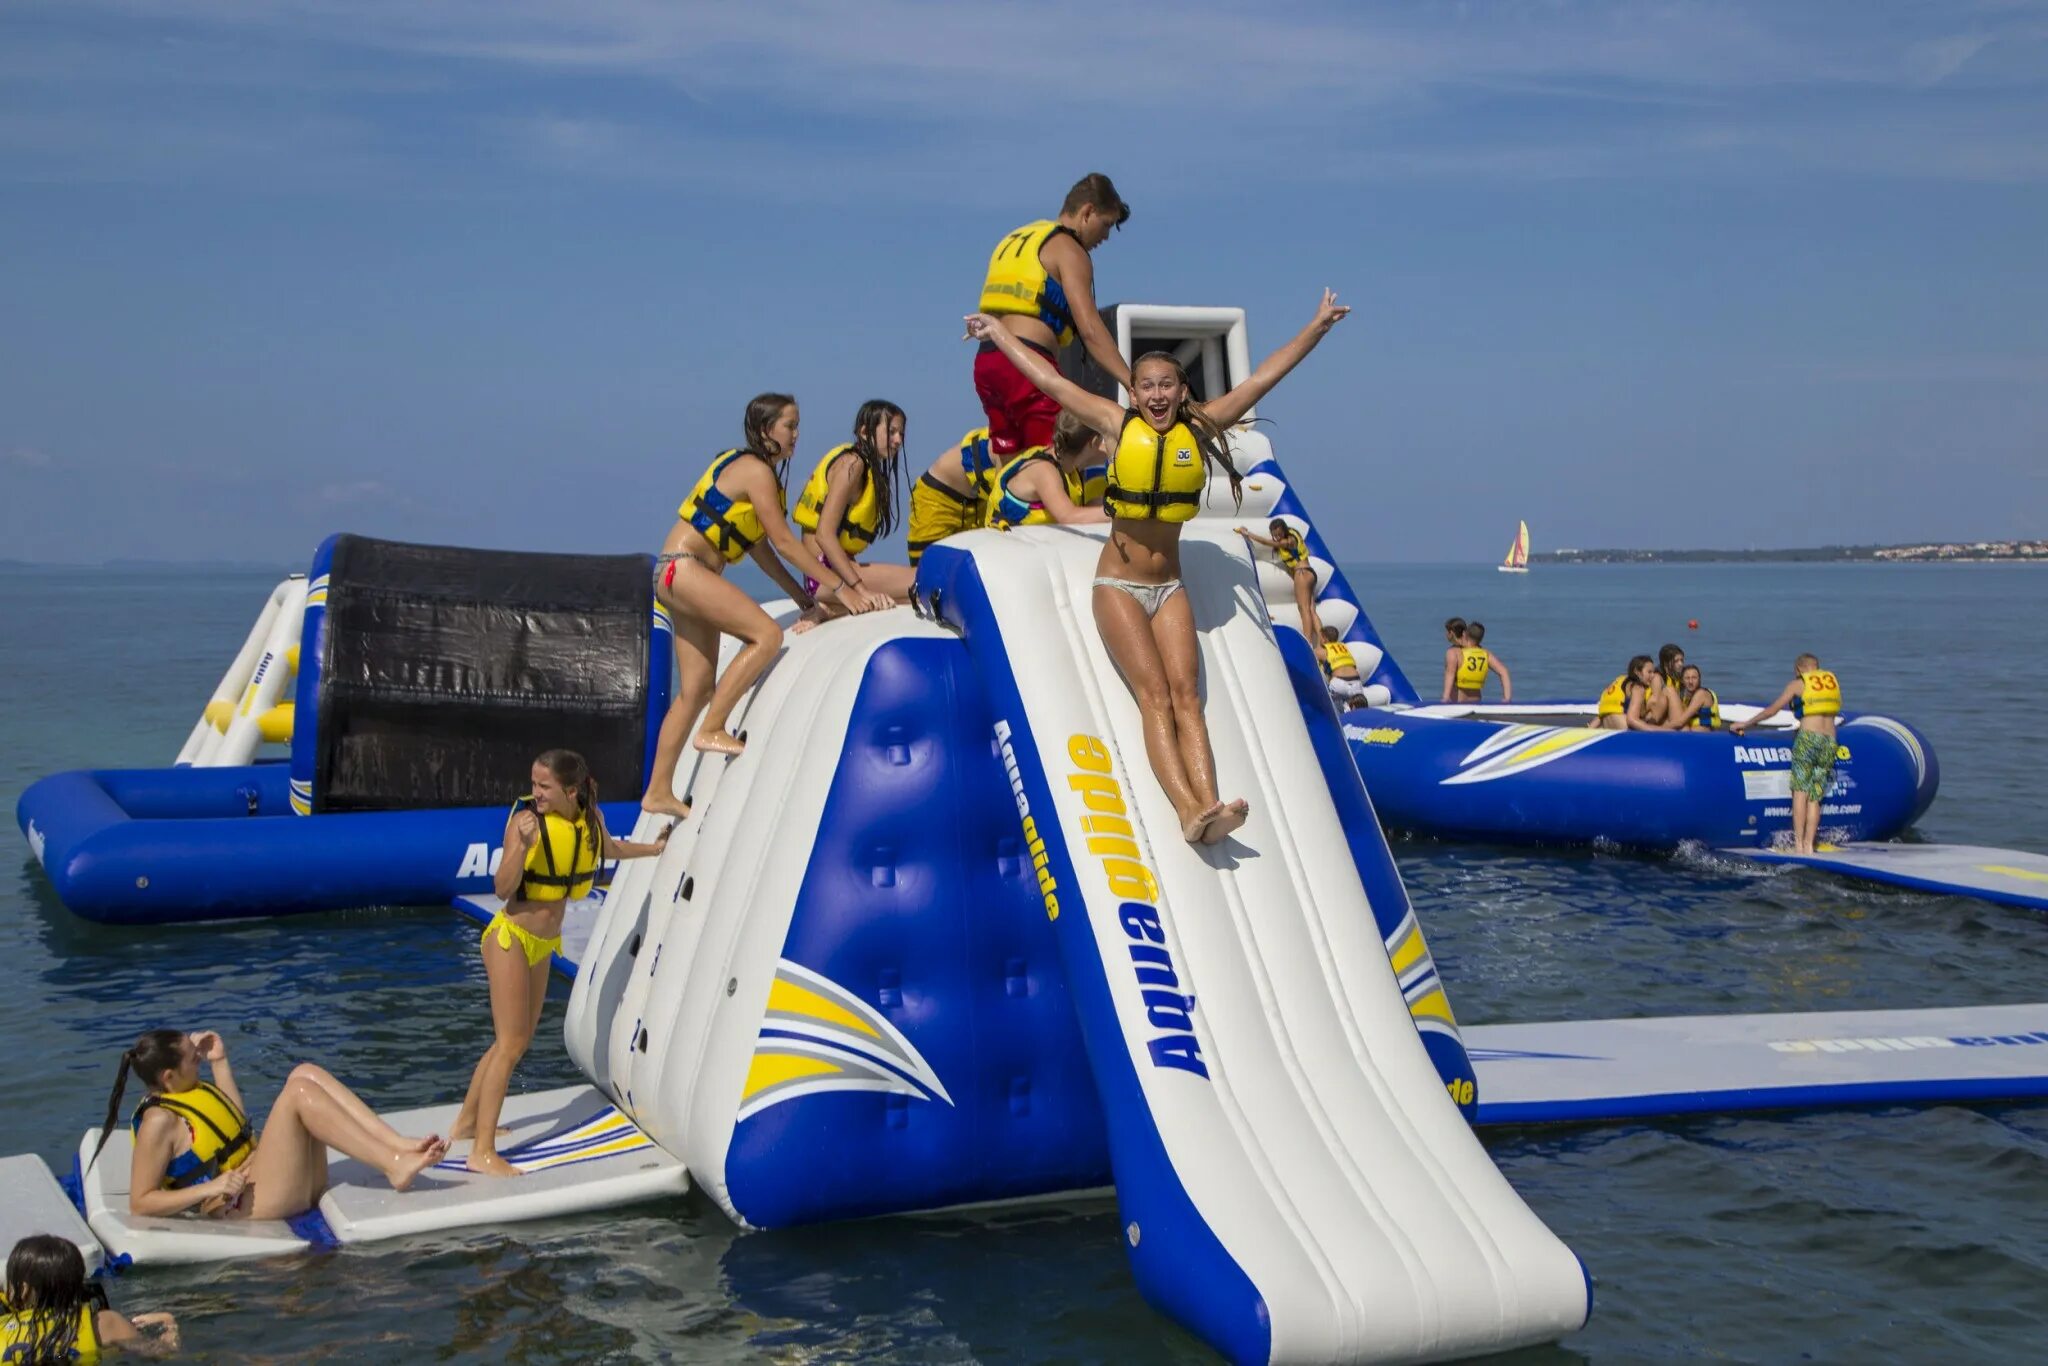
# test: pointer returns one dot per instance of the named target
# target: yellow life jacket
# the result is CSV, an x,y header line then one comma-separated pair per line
x,y
561,865
1614,701
1708,717
1474,665
1094,484
731,525
1337,655
1292,554
221,1137
862,521
18,1332
1820,695
1017,284
1155,476
1006,509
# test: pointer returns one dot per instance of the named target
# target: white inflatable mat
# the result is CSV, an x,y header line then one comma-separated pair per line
x,y
2012,877
31,1201
577,1151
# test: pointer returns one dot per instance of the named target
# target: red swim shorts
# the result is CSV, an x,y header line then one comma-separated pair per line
x,y
1018,415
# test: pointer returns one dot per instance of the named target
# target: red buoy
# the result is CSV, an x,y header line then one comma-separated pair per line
x,y
1693,625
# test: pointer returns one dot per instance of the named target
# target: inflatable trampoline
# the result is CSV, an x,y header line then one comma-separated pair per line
x,y
1537,774
423,679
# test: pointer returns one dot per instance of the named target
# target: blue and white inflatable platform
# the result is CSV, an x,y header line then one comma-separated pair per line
x,y
425,679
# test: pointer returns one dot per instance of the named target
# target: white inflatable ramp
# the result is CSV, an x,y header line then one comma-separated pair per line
x,y
31,1202
576,1151
2011,877
1592,1070
1295,1182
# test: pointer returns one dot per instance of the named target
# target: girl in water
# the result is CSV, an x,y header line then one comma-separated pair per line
x,y
734,509
196,1150
51,1315
1164,445
850,502
1291,552
555,843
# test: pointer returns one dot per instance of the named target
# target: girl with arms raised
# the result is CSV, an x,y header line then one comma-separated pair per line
x,y
1163,446
734,509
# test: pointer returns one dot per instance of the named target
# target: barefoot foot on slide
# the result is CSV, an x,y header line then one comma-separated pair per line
x,y
1191,829
463,1133
490,1164
673,807
411,1164
1234,815
719,742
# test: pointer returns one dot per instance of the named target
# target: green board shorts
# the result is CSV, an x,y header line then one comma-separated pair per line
x,y
1813,763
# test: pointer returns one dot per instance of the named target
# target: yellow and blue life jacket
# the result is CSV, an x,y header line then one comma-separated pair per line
x,y
221,1137
18,1335
1292,553
1155,476
561,865
1474,664
730,524
1018,285
1708,717
858,527
1614,700
977,461
1820,694
1094,484
1337,655
1007,509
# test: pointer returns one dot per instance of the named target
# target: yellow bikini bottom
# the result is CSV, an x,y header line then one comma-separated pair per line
x,y
537,949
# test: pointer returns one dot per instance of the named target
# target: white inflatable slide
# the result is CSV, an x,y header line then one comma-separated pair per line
x,y
1295,1183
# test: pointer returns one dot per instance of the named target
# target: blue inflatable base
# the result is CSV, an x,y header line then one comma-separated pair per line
x,y
165,845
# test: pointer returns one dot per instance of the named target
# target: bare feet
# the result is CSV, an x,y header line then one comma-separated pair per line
x,y
719,742
1234,815
490,1164
420,1145
674,807
463,1133
411,1164
1191,829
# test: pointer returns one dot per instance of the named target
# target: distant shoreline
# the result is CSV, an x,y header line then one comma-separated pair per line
x,y
1925,552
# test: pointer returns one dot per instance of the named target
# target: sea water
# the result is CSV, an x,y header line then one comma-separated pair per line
x,y
1887,1234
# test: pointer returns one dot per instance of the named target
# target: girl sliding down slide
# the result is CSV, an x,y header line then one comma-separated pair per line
x,y
1164,446
195,1148
734,509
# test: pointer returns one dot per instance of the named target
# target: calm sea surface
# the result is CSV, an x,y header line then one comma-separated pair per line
x,y
1912,1235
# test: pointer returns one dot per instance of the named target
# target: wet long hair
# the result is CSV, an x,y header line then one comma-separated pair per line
x,y
1214,443
153,1054
1664,657
884,473
573,773
762,410
46,1285
1634,666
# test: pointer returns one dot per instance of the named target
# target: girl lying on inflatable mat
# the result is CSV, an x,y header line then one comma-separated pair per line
x,y
195,1149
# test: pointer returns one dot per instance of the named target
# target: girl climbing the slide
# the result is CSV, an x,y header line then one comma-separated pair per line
x,y
850,502
195,1149
555,842
734,509
1163,445
1290,551
51,1314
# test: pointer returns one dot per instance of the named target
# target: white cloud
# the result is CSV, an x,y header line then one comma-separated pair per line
x,y
29,458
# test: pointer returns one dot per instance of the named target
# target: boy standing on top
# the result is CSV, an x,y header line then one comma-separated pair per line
x,y
1042,284
1815,697
1468,662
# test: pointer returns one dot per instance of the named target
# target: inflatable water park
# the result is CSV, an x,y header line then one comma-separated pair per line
x,y
935,938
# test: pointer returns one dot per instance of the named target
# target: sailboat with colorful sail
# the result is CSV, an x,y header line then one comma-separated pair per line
x,y
1517,561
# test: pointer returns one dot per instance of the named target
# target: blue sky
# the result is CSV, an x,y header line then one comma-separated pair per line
x,y
505,272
